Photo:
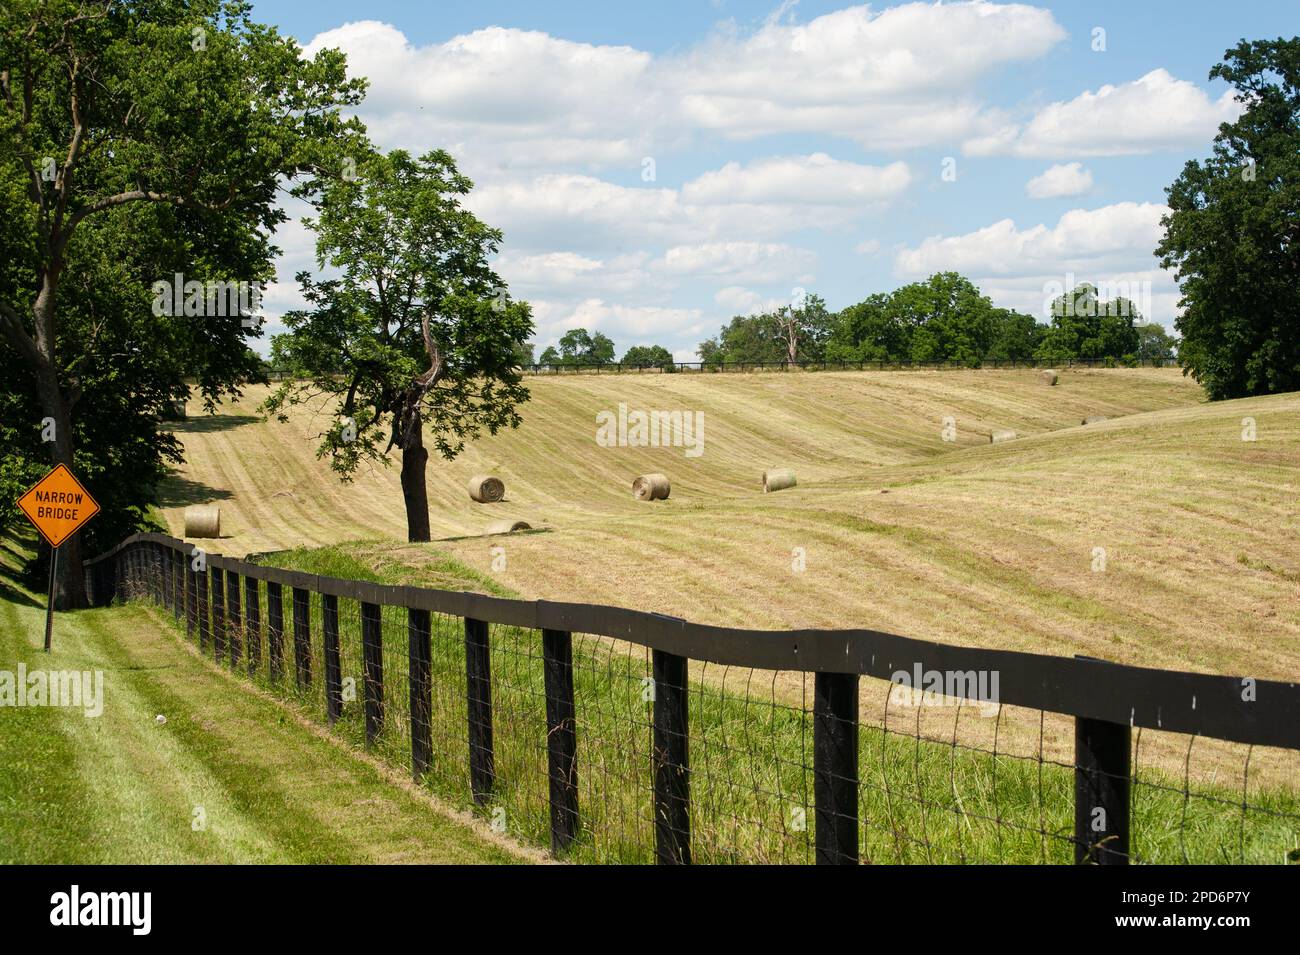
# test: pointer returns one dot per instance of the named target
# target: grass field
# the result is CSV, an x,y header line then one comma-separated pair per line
x,y
122,787
954,541
972,543
991,798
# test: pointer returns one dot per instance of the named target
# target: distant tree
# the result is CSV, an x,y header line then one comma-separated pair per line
x,y
802,329
1017,336
868,331
805,327
577,347
415,332
551,357
1155,344
651,356
1087,328
524,354
1233,233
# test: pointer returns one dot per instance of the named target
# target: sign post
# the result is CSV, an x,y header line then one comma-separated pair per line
x,y
57,505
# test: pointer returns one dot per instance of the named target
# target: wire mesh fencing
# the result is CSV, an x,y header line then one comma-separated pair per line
x,y
616,737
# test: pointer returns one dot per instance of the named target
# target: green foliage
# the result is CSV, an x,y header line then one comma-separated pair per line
x,y
417,329
798,332
1155,344
1089,328
1233,233
649,356
943,319
139,141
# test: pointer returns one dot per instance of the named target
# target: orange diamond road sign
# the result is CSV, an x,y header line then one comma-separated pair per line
x,y
58,505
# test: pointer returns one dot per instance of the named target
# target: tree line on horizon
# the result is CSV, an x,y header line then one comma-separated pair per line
x,y
942,319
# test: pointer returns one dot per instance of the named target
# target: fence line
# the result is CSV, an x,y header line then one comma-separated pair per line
x,y
531,707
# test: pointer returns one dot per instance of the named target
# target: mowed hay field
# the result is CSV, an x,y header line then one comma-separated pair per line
x,y
963,541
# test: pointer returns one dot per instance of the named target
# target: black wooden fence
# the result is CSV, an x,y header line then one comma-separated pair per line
x,y
514,673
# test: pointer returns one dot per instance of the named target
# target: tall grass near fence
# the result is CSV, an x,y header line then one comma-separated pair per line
x,y
920,799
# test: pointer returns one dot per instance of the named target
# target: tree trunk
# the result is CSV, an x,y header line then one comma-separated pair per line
x,y
70,587
414,491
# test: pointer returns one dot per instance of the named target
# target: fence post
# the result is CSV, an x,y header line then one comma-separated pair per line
x,y
191,597
671,760
253,623
418,665
234,623
333,668
478,680
561,736
1101,792
275,629
201,606
218,613
835,767
372,653
301,638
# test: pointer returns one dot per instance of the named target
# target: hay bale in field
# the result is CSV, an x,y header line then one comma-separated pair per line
x,y
778,479
508,527
651,487
486,489
1050,376
203,520
1001,434
1094,419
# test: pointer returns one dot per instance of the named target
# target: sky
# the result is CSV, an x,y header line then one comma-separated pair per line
x,y
658,168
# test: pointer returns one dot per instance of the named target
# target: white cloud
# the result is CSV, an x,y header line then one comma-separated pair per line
x,y
751,202
1156,111
867,247
888,79
509,98
654,324
504,95
739,261
742,301
1016,267
1061,181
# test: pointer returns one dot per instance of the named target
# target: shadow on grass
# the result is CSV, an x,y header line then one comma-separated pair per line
x,y
214,422
177,491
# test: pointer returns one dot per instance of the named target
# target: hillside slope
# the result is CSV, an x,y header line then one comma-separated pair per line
x,y
963,541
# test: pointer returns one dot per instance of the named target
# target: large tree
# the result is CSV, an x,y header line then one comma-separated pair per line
x,y
408,327
1086,327
140,139
1233,233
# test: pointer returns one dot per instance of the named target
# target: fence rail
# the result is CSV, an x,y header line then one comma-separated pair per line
x,y
531,706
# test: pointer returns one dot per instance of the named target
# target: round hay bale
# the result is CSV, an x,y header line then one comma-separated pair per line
x,y
778,479
1001,434
651,487
1050,376
203,520
486,489
508,527
1094,419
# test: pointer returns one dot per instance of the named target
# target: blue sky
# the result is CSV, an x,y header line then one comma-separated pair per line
x,y
658,168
